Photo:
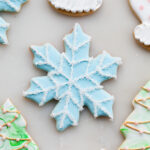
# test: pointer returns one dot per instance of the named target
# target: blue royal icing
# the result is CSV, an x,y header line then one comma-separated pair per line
x,y
11,5
73,78
3,29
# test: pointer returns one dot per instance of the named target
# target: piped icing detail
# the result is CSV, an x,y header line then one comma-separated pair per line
x,y
3,29
13,135
11,5
136,128
73,78
77,5
142,10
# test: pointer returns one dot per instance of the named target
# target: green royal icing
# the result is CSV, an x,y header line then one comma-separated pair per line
x,y
14,137
137,133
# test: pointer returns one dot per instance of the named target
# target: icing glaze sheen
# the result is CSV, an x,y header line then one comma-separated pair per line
x,y
3,29
142,10
13,135
11,5
76,5
73,78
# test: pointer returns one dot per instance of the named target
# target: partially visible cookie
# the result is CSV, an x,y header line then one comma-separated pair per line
x,y
136,129
8,6
3,29
11,5
76,7
13,134
142,31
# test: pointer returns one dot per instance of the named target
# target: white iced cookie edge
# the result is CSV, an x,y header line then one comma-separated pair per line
x,y
142,34
76,6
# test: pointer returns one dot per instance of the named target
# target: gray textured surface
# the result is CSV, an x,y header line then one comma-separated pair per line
x,y
111,30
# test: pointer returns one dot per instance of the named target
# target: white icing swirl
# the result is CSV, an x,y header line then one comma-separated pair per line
x,y
77,5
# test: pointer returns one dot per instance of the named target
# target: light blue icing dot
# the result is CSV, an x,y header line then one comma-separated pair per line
x,y
74,79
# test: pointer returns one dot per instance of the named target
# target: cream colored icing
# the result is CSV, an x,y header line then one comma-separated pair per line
x,y
142,10
76,5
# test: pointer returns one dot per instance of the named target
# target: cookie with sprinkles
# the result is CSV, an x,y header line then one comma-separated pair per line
x,y
13,134
136,128
141,33
76,7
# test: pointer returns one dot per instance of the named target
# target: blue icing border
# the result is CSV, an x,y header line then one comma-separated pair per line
x,y
73,78
3,29
11,5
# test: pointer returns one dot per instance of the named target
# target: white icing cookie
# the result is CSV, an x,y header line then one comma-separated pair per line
x,y
142,10
76,7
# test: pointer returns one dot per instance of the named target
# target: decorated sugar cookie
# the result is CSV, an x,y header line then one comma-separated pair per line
x,y
136,128
142,31
74,79
3,29
13,135
76,7
8,6
11,5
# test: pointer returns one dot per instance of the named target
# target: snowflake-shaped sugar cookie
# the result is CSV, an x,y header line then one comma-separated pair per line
x,y
3,29
73,78
11,5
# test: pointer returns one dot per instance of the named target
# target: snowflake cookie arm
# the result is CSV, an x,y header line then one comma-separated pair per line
x,y
42,90
3,29
77,45
11,5
103,67
99,102
66,113
46,57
